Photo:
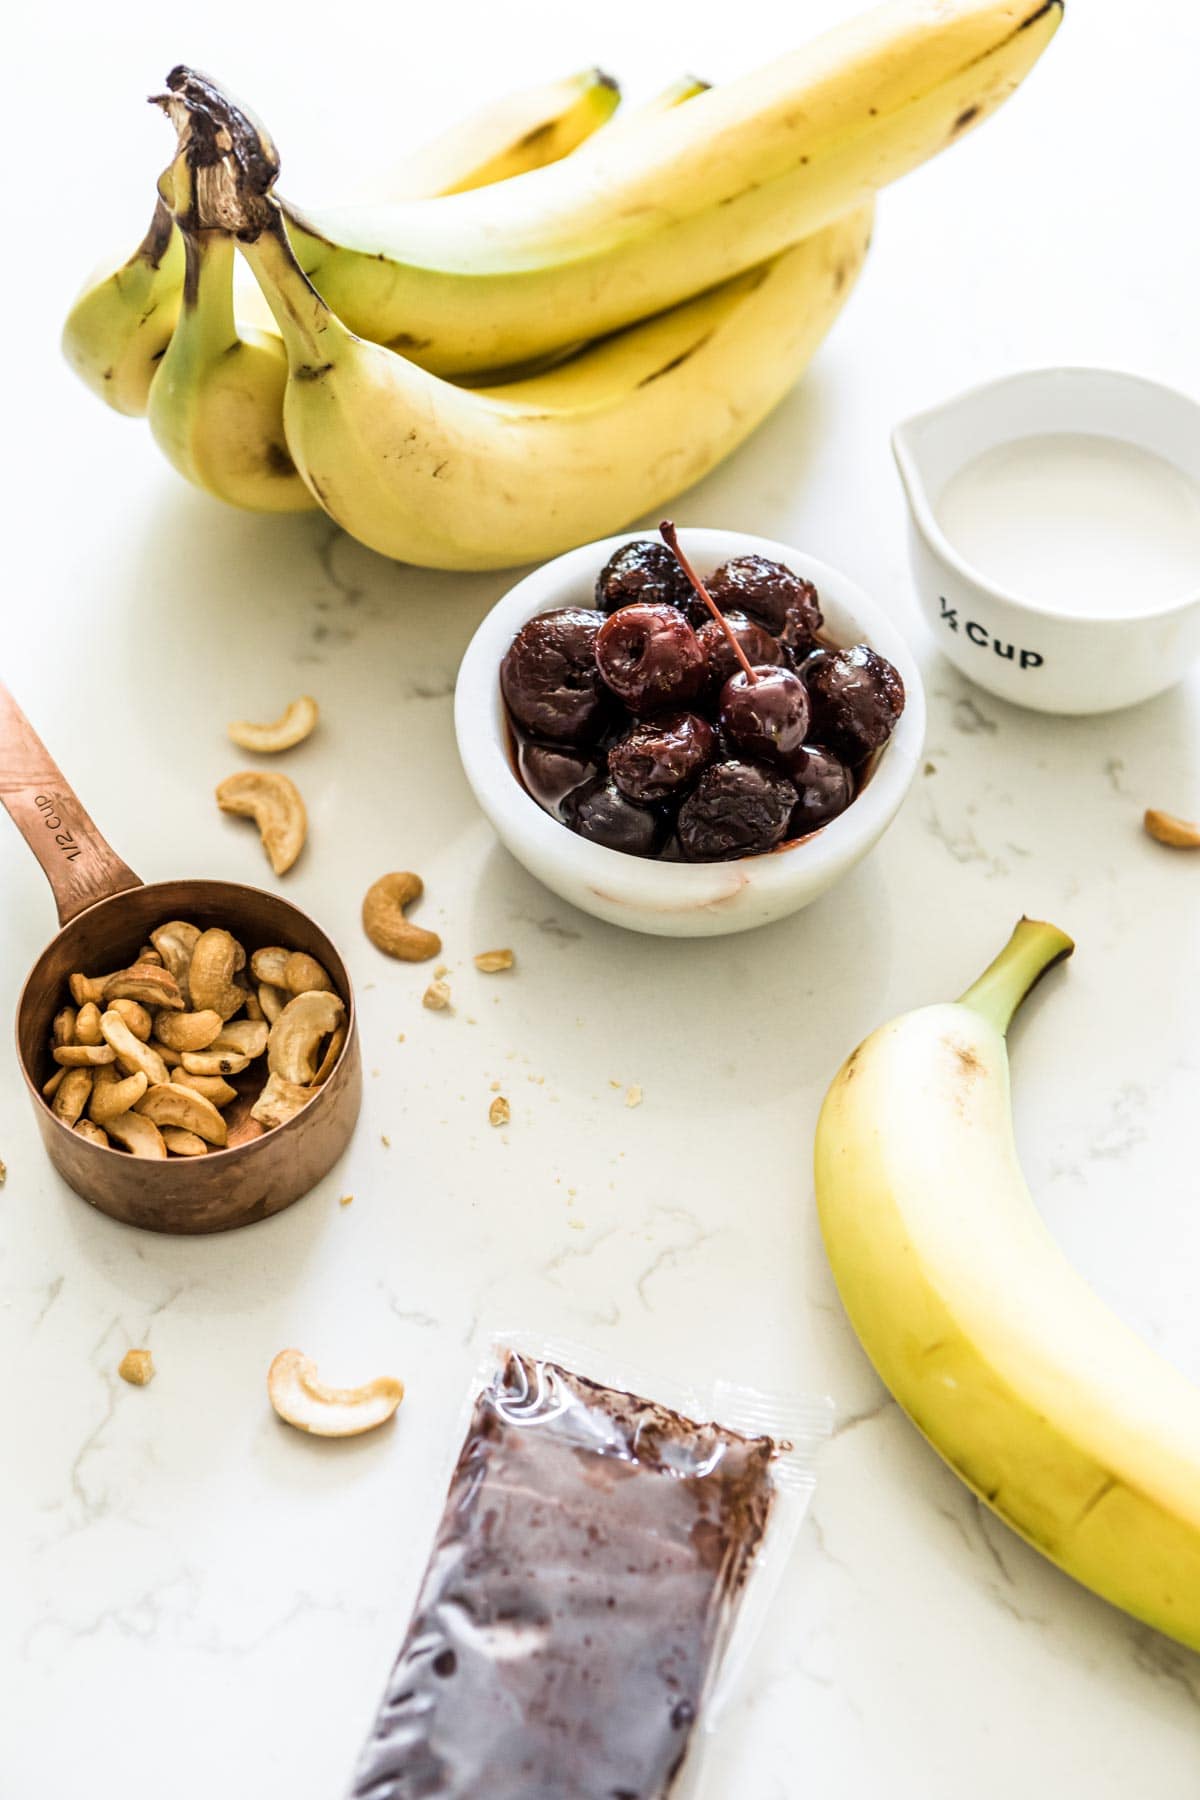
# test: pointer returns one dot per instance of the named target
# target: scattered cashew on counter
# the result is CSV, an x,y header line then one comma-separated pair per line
x,y
294,724
383,910
1177,834
301,1399
273,801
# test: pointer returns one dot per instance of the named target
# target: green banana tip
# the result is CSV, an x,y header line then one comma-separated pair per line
x,y
1033,949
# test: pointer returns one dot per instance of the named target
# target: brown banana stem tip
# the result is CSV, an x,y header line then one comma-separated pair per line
x,y
231,159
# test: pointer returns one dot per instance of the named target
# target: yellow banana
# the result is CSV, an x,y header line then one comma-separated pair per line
x,y
1070,1427
122,321
454,478
645,216
216,402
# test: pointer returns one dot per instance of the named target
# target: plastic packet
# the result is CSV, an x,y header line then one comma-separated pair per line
x,y
599,1571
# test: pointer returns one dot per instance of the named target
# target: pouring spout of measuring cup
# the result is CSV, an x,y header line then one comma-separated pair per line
x,y
79,864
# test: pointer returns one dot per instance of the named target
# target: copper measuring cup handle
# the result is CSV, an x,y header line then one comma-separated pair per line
x,y
79,865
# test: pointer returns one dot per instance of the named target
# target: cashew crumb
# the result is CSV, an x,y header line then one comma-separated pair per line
x,y
633,1096
442,969
491,962
577,1224
400,1037
499,1112
436,996
348,1199
136,1367
612,1083
495,1088
385,1140
3,1174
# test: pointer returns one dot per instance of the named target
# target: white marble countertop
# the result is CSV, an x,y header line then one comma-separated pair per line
x,y
198,1600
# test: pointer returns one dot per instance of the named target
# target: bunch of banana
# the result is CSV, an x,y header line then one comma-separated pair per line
x,y
122,322
1043,1401
485,377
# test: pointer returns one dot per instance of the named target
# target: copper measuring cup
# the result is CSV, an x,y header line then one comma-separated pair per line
x,y
106,912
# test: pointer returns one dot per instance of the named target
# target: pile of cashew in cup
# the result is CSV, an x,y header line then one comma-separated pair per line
x,y
144,1054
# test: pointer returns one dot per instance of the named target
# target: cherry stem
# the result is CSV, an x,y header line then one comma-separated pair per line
x,y
670,538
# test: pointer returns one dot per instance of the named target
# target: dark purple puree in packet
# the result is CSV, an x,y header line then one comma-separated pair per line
x,y
583,1580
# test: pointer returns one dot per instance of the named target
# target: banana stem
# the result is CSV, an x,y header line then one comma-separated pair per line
x,y
1033,948
306,324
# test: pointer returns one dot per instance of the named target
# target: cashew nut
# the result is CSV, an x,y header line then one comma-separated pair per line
x,y
148,954
83,1056
303,974
135,1016
87,1024
280,1101
139,1135
214,1062
254,1009
385,924
272,999
183,1143
112,1096
72,1096
302,1400
273,802
172,1058
295,1038
175,942
85,1129
333,1050
1176,833
51,1087
146,983
189,1030
248,1037
131,1053
284,733
213,1087
85,987
173,1105
268,964
63,1029
215,961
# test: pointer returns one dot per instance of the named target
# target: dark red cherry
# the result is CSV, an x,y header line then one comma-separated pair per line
x,y
735,809
764,589
644,572
825,787
552,771
650,658
659,757
857,697
758,647
549,677
600,812
766,717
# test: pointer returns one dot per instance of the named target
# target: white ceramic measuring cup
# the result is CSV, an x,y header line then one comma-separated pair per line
x,y
1022,649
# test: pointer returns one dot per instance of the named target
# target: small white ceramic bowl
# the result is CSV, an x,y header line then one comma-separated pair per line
x,y
1020,649
677,899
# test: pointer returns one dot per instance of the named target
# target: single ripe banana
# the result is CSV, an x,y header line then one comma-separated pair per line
x,y
122,321
1069,1426
455,478
643,217
123,318
216,401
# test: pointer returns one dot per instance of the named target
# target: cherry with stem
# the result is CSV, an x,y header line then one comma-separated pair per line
x,y
670,538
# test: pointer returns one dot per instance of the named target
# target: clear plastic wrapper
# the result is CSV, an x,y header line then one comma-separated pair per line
x,y
599,1569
